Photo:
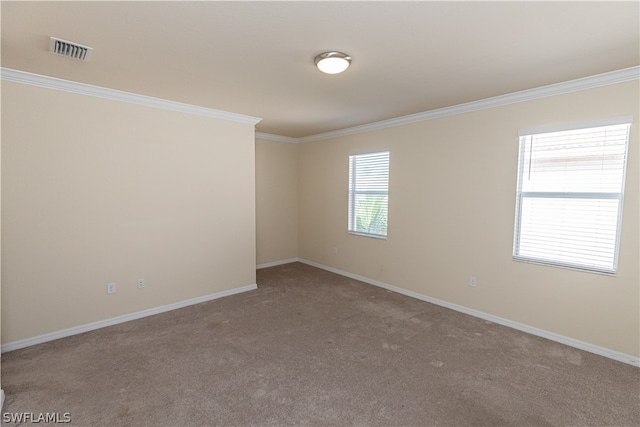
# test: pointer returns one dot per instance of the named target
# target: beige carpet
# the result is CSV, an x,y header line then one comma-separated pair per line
x,y
313,348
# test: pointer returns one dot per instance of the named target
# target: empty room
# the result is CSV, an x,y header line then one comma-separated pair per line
x,y
372,213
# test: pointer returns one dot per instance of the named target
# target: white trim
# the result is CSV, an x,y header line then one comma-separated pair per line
x,y
1,399
18,76
611,354
591,82
15,345
274,263
613,77
624,120
278,138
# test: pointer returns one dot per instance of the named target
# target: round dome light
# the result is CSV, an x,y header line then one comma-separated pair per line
x,y
332,62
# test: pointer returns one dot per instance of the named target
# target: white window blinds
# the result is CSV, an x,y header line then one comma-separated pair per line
x,y
369,194
569,196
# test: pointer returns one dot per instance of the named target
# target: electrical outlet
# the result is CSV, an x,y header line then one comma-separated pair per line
x,y
334,250
472,282
140,283
111,288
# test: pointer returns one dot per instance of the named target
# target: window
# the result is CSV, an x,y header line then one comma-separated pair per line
x,y
569,195
369,194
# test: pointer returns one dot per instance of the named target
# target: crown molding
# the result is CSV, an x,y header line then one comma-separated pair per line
x,y
613,77
24,77
279,138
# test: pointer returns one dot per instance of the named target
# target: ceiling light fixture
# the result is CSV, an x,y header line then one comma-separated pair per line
x,y
332,62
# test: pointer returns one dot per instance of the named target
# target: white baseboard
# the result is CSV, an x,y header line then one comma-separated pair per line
x,y
274,263
611,354
121,319
602,351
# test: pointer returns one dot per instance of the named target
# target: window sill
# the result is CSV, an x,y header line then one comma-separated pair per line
x,y
610,273
374,236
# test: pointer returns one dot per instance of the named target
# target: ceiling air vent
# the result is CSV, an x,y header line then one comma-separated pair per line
x,y
70,49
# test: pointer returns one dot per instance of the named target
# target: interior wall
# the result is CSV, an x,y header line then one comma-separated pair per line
x,y
1,391
97,191
276,201
451,216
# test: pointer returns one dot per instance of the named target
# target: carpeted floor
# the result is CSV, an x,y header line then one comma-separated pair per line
x,y
309,347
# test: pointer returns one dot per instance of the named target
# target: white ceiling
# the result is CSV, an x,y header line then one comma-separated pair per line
x,y
256,58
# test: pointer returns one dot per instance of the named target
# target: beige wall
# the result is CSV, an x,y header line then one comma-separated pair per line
x,y
451,216
276,201
1,391
97,191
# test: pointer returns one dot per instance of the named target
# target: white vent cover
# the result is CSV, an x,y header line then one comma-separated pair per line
x,y
70,49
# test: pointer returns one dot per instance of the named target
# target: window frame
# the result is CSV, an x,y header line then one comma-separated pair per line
x,y
521,195
352,191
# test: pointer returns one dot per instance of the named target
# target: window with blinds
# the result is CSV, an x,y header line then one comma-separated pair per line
x,y
369,194
569,195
